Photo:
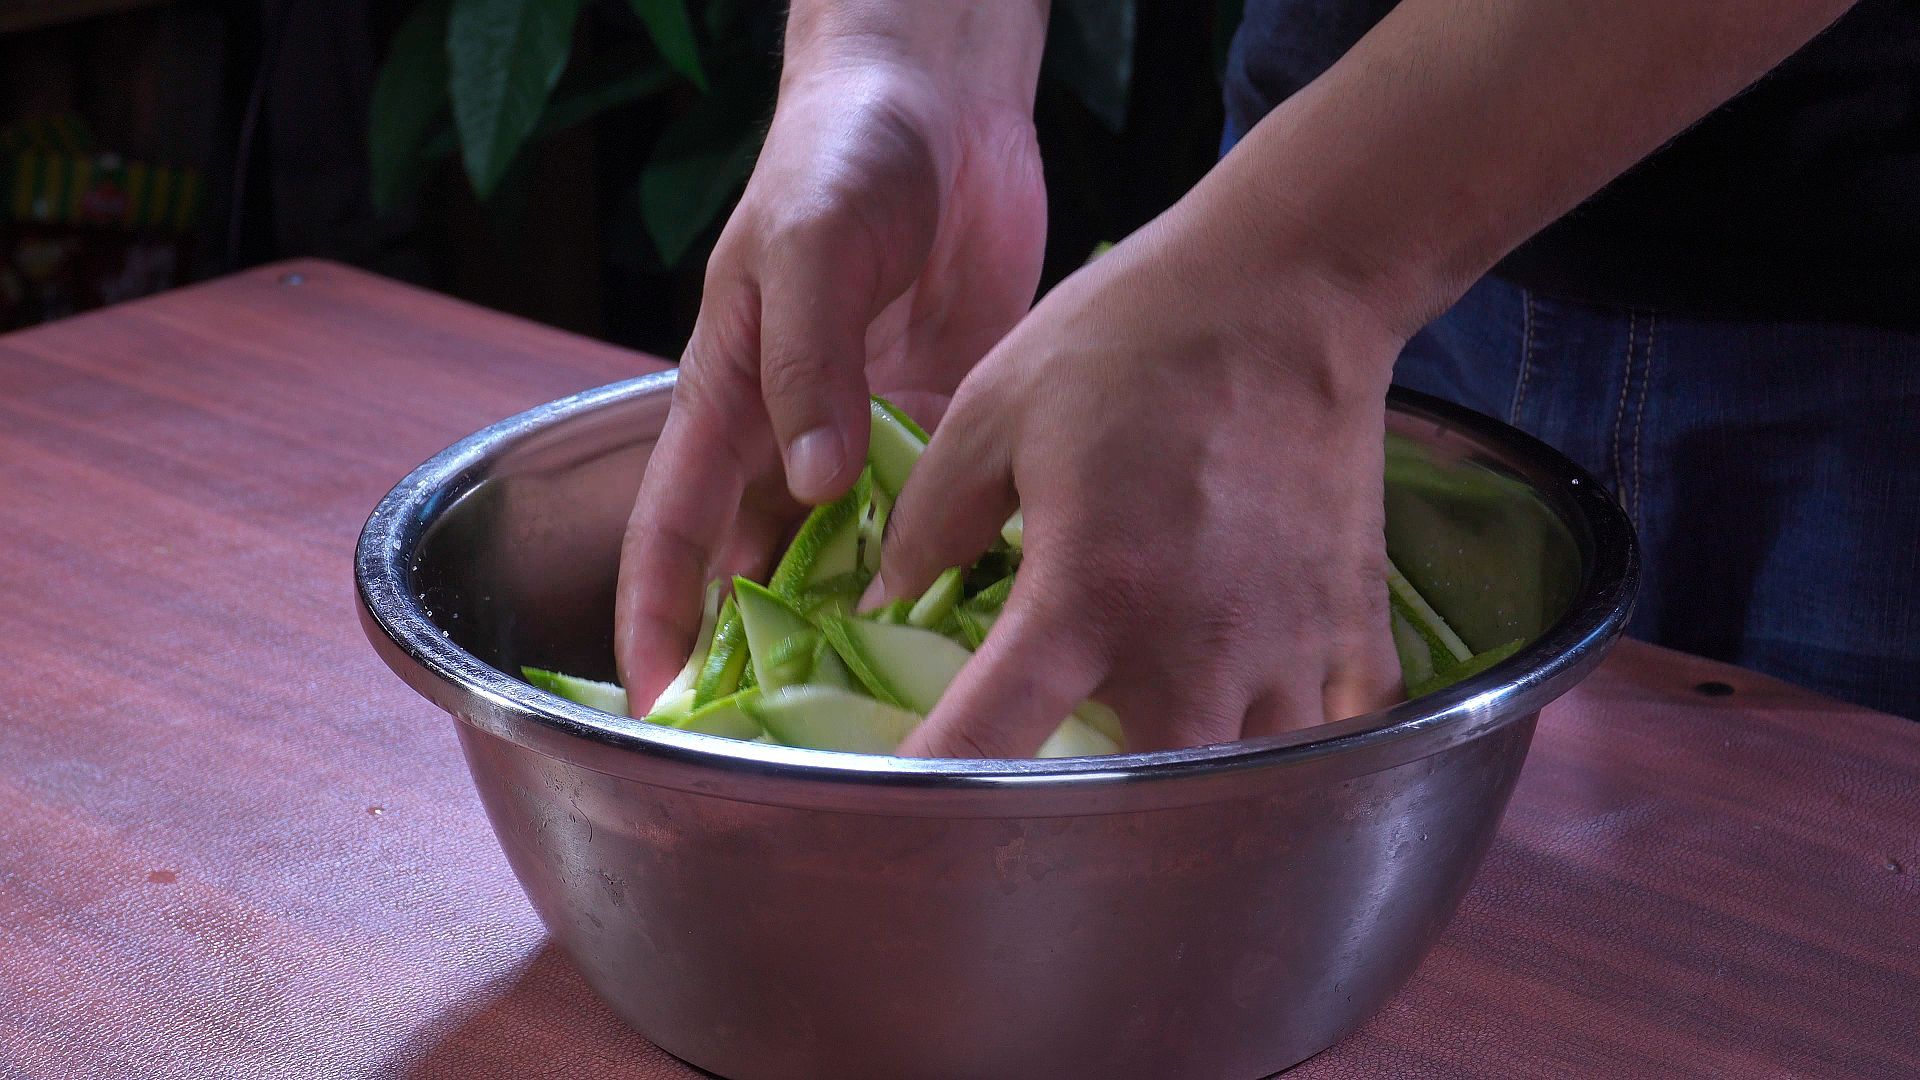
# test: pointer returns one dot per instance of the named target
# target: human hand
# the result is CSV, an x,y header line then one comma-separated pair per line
x,y
1197,452
891,232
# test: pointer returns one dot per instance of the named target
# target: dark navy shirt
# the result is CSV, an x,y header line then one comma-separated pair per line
x,y
1799,199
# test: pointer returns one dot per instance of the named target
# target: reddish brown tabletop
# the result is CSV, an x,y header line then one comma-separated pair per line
x,y
233,845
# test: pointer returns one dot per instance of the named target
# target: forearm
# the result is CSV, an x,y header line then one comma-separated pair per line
x,y
1458,128
993,47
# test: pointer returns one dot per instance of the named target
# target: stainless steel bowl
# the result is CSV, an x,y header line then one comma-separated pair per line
x,y
767,912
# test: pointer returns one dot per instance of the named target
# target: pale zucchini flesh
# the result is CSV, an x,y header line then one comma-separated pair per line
x,y
1074,738
894,444
938,601
607,697
779,639
898,664
829,718
726,658
682,683
730,718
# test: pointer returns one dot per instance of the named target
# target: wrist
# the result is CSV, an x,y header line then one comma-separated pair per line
x,y
1280,226
1286,298
981,50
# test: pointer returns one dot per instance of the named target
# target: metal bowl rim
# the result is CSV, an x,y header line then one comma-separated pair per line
x,y
1510,690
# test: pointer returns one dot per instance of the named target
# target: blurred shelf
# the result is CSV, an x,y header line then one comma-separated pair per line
x,y
33,14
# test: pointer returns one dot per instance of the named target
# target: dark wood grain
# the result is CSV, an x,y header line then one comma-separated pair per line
x,y
231,844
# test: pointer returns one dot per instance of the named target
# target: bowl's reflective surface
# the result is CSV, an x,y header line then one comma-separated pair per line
x,y
769,912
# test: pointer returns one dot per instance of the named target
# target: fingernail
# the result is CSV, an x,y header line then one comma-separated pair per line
x,y
813,459
875,595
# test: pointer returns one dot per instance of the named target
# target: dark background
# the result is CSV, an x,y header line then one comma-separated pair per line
x,y
269,105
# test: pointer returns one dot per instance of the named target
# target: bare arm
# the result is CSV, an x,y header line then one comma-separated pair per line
x,y
1458,128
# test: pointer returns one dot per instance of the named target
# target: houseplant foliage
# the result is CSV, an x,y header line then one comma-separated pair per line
x,y
484,79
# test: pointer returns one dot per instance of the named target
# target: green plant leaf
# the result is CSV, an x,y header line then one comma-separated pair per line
x,y
409,95
591,98
607,84
672,34
695,169
1090,49
504,57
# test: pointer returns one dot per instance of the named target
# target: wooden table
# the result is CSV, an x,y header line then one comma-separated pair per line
x,y
233,845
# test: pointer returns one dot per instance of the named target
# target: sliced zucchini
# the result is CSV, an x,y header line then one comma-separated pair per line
x,y
726,658
690,671
827,545
1418,657
1014,532
938,601
1440,680
607,697
1075,738
873,531
993,597
968,628
670,710
829,718
780,640
828,668
1102,719
894,444
728,717
893,611
901,665
1422,616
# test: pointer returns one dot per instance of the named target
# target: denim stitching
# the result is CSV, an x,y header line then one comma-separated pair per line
x,y
1640,408
1526,356
1620,409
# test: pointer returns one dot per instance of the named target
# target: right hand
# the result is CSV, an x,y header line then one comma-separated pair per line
x,y
892,231
1193,429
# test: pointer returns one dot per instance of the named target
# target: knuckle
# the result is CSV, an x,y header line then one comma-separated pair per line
x,y
1058,645
718,363
1106,589
791,373
700,390
710,406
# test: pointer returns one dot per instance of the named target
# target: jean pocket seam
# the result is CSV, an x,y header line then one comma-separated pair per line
x,y
1640,407
1526,357
1621,481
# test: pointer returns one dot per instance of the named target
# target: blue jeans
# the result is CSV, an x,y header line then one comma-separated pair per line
x,y
1772,469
